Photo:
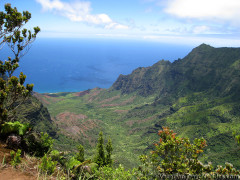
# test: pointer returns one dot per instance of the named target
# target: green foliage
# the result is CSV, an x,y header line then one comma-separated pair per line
x,y
80,153
100,157
227,170
57,156
47,165
33,112
109,173
47,142
15,157
237,136
38,144
109,150
14,127
174,155
18,40
71,164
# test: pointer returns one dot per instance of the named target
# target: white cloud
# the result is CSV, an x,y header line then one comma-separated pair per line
x,y
79,11
226,10
201,29
116,26
195,40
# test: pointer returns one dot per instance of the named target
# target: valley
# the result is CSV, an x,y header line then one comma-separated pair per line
x,y
197,96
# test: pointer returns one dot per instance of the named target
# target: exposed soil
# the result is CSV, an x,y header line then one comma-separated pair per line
x,y
9,173
45,99
77,125
94,94
109,99
82,93
4,153
70,117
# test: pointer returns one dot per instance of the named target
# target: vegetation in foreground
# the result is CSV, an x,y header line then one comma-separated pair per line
x,y
173,157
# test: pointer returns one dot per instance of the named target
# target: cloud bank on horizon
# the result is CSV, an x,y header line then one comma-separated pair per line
x,y
153,19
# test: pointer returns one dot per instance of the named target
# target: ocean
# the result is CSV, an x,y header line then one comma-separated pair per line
x,y
72,65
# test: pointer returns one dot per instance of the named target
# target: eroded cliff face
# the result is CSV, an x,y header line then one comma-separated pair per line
x,y
34,112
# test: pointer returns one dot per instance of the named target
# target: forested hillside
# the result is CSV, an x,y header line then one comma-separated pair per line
x,y
197,96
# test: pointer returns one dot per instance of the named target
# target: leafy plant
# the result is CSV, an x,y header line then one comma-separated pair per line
x,y
71,163
16,157
14,127
80,153
227,170
57,156
107,172
100,157
47,166
177,155
109,150
174,155
38,144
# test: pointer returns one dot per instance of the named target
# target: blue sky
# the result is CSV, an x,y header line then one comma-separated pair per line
x,y
214,22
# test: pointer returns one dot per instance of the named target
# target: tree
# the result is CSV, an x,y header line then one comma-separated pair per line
x,y
80,154
109,150
100,157
18,39
177,155
174,155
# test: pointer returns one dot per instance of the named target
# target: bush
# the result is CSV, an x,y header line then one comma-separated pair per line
x,y
57,156
15,128
107,172
16,157
38,144
71,163
174,155
47,166
227,170
80,153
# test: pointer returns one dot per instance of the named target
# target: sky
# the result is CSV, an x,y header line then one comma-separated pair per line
x,y
215,22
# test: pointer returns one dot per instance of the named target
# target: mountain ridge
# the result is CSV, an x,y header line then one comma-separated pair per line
x,y
165,73
197,96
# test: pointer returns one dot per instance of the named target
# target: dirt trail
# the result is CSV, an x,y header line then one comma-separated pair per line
x,y
15,174
9,173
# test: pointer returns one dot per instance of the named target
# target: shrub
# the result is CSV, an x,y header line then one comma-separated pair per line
x,y
14,127
174,155
38,144
57,156
16,157
107,172
47,166
71,163
227,170
80,154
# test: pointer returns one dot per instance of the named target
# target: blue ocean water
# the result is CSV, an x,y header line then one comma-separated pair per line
x,y
71,65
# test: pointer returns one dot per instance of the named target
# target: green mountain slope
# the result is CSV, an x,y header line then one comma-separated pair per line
x,y
33,112
204,69
197,96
